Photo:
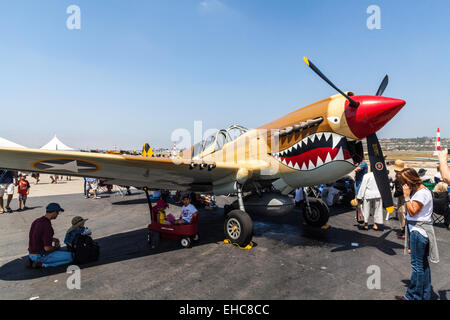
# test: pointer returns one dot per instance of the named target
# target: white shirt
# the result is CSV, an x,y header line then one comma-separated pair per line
x,y
188,212
425,197
369,189
331,193
299,195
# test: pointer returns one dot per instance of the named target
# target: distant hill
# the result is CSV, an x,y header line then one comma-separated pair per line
x,y
413,144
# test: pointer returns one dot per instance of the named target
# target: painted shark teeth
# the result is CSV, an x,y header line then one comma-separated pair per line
x,y
336,139
314,138
332,139
339,155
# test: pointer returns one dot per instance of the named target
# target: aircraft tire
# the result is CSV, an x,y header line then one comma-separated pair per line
x,y
238,227
319,213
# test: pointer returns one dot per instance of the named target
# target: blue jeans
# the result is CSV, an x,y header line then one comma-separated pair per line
x,y
357,186
53,259
420,284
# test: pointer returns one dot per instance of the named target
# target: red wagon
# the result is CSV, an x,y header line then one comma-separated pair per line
x,y
185,233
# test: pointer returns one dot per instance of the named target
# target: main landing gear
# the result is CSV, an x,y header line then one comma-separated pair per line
x,y
315,212
238,226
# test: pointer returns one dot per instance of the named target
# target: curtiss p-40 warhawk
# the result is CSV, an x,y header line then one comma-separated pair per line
x,y
317,144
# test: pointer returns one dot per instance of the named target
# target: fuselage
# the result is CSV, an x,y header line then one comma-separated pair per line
x,y
312,145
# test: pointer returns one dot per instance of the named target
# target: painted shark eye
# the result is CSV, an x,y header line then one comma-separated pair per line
x,y
334,120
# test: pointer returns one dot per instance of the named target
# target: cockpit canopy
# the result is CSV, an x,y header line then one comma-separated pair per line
x,y
217,140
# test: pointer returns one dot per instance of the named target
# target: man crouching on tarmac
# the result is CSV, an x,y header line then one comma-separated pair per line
x,y
44,250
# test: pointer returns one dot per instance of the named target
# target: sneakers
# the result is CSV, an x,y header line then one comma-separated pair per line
x,y
30,264
96,197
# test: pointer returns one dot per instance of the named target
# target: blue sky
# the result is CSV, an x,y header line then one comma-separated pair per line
x,y
137,70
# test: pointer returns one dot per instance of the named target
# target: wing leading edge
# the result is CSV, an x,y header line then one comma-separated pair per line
x,y
135,171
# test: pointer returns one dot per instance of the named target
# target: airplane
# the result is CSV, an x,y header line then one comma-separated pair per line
x,y
316,144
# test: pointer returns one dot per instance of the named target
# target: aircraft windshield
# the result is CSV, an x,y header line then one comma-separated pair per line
x,y
220,139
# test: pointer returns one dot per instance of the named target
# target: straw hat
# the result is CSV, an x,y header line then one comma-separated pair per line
x,y
399,165
76,223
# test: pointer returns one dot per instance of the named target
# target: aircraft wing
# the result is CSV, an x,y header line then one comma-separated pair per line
x,y
137,171
430,159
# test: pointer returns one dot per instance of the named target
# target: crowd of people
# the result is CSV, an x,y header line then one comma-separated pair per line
x,y
415,207
9,180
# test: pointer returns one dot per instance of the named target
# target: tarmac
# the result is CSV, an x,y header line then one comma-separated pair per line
x,y
289,260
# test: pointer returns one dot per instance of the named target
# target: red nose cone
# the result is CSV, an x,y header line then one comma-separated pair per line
x,y
372,114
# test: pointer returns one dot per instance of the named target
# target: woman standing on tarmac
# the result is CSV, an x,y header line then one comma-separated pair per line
x,y
420,236
370,197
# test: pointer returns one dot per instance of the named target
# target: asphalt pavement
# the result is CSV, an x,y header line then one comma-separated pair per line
x,y
289,260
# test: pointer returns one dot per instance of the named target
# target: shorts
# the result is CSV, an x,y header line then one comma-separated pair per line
x,y
9,188
91,185
22,197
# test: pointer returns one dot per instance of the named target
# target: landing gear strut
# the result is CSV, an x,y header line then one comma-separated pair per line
x,y
315,212
238,226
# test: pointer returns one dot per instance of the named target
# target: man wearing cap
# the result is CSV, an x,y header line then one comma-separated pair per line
x,y
45,250
398,166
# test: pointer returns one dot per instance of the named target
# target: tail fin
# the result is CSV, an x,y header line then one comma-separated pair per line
x,y
147,151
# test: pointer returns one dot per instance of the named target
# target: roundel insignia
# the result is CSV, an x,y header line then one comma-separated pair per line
x,y
379,166
66,165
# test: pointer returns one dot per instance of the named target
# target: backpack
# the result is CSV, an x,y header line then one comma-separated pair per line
x,y
87,250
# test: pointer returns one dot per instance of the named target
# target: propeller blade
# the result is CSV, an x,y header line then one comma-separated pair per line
x,y
378,167
353,103
383,86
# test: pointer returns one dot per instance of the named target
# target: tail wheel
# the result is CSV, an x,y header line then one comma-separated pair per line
x,y
238,227
319,214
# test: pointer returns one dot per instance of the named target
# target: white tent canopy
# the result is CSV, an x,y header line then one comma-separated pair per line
x,y
9,144
56,144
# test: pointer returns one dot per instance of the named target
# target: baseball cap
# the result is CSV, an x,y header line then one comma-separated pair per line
x,y
54,207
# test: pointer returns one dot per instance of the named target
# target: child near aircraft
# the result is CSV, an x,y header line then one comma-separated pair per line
x,y
187,211
159,210
75,231
23,188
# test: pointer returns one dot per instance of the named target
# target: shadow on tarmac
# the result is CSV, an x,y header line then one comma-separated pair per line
x,y
116,248
287,229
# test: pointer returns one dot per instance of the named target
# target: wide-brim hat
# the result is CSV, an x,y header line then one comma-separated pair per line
x,y
76,223
399,165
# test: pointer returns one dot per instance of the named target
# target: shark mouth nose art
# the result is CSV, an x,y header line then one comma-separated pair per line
x,y
315,151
